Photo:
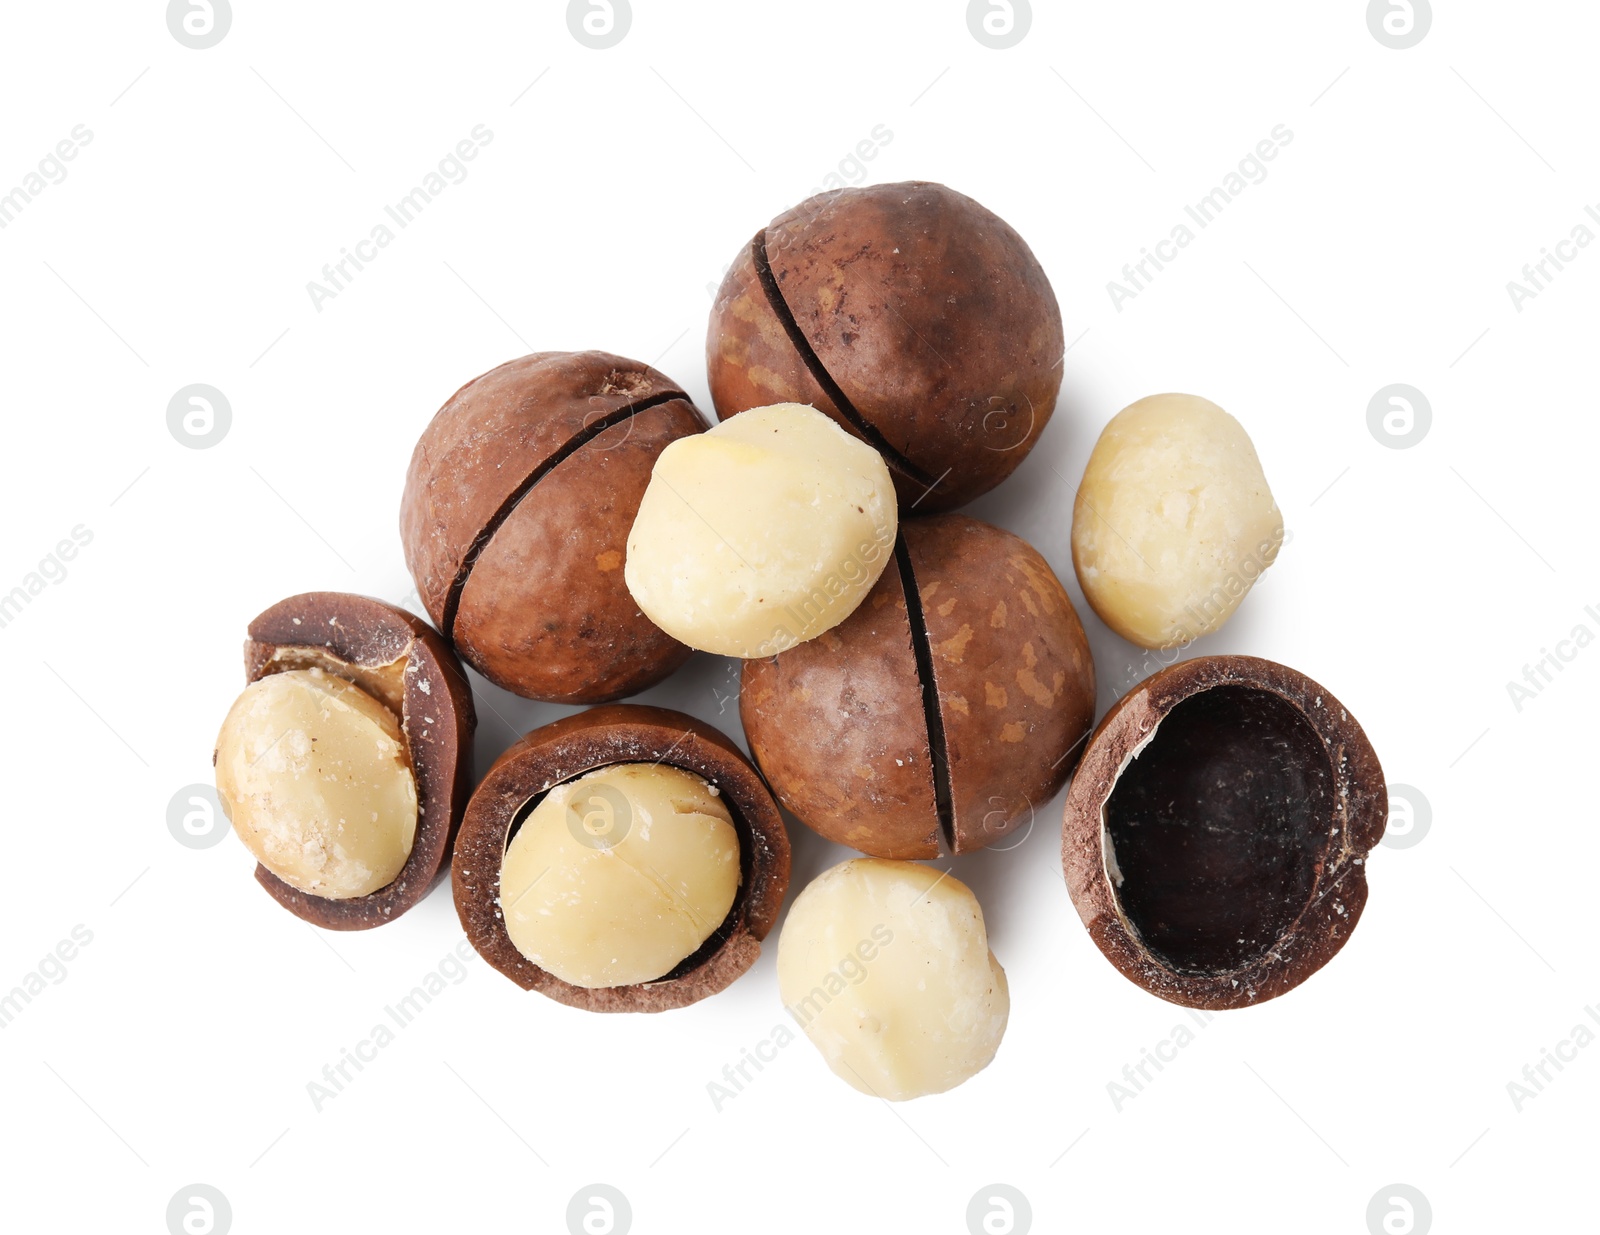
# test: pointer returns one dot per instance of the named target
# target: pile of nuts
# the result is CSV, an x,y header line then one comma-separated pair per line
x,y
914,682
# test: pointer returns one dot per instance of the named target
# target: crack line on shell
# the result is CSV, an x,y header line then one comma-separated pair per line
x,y
934,719
864,428
570,447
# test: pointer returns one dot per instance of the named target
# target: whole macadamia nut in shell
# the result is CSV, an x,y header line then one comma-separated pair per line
x,y
943,712
914,317
515,521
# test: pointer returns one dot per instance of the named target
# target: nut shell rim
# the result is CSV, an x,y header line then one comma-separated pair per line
x,y
581,743
1322,926
371,634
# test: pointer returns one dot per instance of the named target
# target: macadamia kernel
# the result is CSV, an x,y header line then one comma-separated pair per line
x,y
314,775
1173,522
761,533
886,966
617,876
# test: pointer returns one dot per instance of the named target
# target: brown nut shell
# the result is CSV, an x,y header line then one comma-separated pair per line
x,y
918,320
935,725
1216,832
836,724
402,662
515,522
572,746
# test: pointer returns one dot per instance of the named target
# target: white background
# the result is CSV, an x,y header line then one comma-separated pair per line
x,y
1417,583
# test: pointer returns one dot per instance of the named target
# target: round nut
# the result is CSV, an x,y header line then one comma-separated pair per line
x,y
887,968
914,317
1173,522
619,876
312,773
761,533
1216,832
942,722
515,519
599,738
402,664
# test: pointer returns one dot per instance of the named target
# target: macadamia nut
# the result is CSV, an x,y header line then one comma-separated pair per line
x,y
761,533
886,966
617,876
1173,522
314,775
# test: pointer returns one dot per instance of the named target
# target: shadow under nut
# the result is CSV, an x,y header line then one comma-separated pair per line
x,y
1241,865
437,718
599,737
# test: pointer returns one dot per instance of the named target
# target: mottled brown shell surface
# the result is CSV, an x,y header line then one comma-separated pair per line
x,y
836,724
1011,663
1355,823
599,737
355,636
937,725
515,519
914,317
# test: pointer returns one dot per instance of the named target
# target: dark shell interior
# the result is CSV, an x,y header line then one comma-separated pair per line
x,y
1217,830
